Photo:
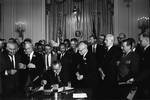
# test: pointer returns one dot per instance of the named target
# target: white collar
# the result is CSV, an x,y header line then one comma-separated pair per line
x,y
31,55
146,46
133,49
85,54
108,48
94,45
128,52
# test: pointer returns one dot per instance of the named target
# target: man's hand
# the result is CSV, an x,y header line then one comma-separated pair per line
x,y
31,65
43,82
102,73
55,86
79,77
22,66
12,71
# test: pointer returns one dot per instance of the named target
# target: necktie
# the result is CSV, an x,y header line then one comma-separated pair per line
x,y
58,78
62,54
93,49
13,61
46,61
49,60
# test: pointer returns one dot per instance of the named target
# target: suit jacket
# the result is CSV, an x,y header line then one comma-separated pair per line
x,y
128,66
109,63
6,63
52,78
99,54
66,63
76,59
88,68
38,61
53,58
9,82
144,75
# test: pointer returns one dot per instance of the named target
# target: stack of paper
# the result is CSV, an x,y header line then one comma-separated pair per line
x,y
79,95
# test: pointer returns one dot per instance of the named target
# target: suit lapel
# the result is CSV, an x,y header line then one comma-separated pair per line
x,y
8,61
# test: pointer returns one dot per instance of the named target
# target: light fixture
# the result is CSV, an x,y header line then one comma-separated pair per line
x,y
143,23
75,10
20,28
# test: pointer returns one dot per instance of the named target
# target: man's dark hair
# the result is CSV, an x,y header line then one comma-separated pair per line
x,y
132,40
48,45
28,40
129,41
68,42
74,39
56,62
62,44
94,37
146,34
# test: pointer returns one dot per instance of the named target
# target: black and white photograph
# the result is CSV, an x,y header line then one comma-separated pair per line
x,y
74,49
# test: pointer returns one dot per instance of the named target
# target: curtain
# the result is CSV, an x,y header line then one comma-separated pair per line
x,y
92,17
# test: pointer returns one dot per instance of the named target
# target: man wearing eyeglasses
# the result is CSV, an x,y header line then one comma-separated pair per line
x,y
55,76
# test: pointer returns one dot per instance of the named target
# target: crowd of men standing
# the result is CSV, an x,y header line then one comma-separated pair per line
x,y
110,71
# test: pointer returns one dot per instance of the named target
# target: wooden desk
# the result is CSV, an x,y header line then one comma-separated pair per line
x,y
68,95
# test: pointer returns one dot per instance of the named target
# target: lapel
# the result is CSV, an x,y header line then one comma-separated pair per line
x,y
7,61
48,55
109,51
33,57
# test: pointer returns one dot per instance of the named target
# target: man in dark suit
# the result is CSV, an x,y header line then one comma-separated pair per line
x,y
128,67
49,56
33,63
55,76
76,57
96,49
109,68
144,76
9,69
87,70
65,59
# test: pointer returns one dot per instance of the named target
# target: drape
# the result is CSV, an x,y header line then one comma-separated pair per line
x,y
92,17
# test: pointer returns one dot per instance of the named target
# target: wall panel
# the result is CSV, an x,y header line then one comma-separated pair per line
x,y
31,12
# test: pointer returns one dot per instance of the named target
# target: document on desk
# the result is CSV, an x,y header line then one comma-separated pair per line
x,y
80,95
66,88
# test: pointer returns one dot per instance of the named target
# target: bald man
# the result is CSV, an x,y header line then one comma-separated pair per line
x,y
33,63
111,56
9,74
87,71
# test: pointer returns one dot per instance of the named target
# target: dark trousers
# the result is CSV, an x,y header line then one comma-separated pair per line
x,y
9,85
143,92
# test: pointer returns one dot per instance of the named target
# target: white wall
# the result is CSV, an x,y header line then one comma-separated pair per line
x,y
125,19
31,12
